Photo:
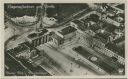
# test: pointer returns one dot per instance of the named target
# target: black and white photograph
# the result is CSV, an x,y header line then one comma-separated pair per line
x,y
64,39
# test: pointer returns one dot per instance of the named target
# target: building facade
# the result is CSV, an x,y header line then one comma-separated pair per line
x,y
38,38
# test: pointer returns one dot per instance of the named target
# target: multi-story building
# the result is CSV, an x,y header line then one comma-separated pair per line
x,y
38,38
101,35
119,8
24,51
56,39
68,32
64,36
113,15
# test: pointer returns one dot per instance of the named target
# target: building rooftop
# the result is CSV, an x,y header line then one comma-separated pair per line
x,y
80,25
28,45
102,36
95,27
56,36
67,30
32,35
119,39
110,28
116,49
36,34
78,22
110,9
18,49
93,17
43,31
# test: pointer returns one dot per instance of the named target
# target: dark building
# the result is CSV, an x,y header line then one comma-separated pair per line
x,y
24,51
68,32
17,50
113,47
38,38
104,37
119,40
93,17
80,25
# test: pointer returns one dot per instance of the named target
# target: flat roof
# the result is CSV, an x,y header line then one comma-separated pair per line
x,y
77,21
18,49
94,27
80,24
116,49
36,34
67,30
103,37
119,39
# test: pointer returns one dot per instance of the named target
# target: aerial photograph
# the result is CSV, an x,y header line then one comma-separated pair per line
x,y
64,39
